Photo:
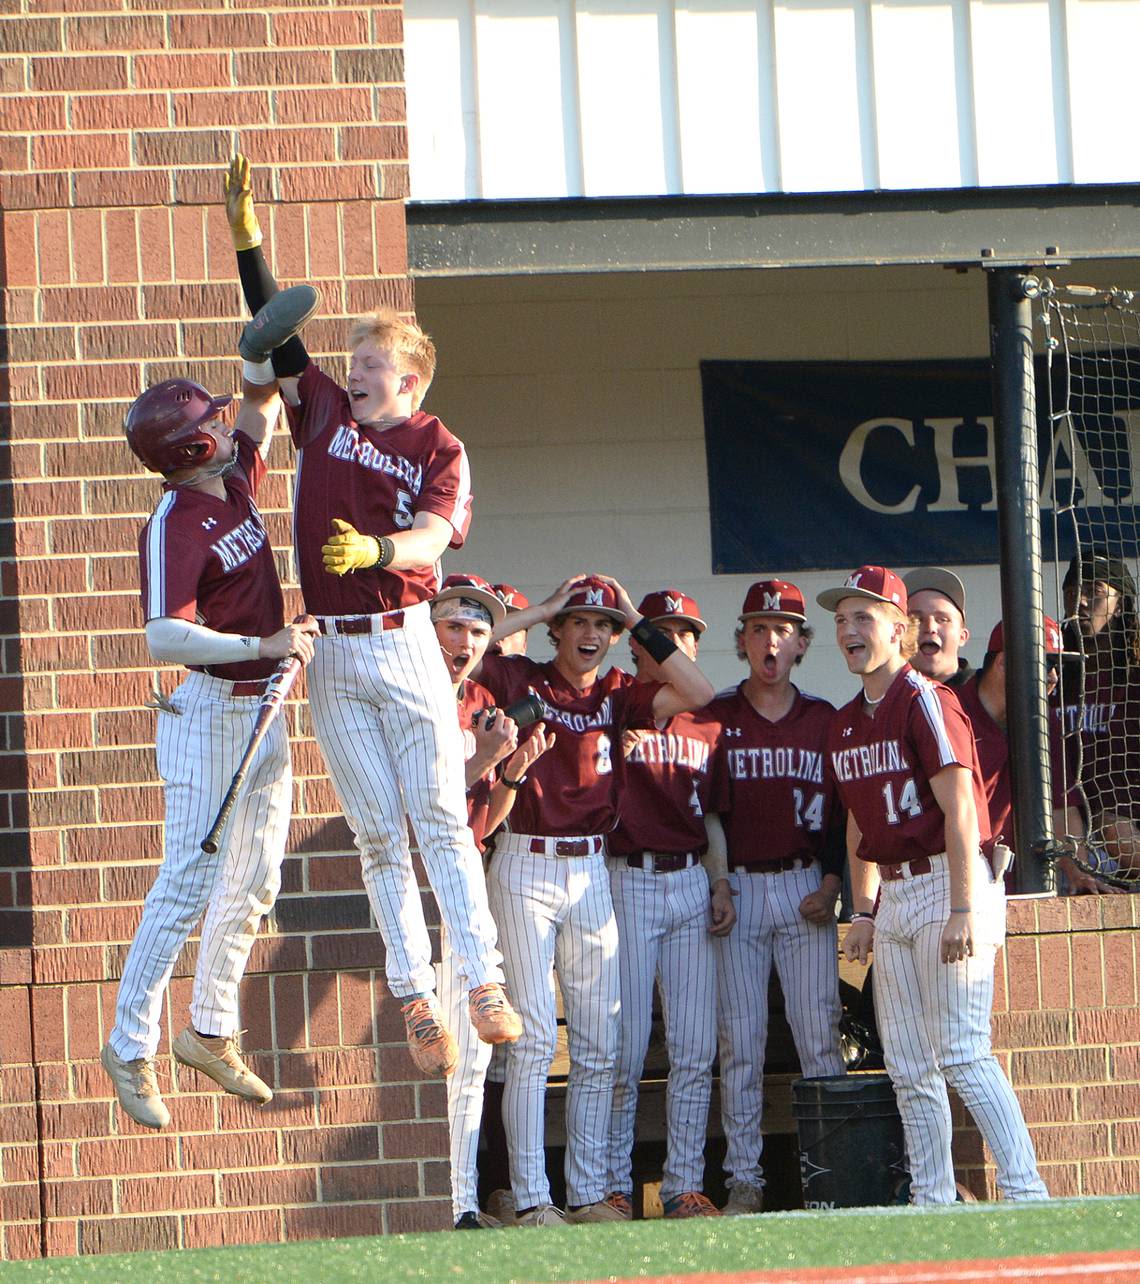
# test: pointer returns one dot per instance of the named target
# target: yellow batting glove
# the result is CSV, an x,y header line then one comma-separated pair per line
x,y
244,227
348,550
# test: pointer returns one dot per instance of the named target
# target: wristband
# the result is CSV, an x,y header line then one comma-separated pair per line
x,y
960,910
659,645
387,552
512,784
259,372
862,915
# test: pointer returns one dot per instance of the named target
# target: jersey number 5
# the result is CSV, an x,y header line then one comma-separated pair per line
x,y
908,801
402,515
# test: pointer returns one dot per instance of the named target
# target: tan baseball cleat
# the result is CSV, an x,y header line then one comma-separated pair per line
x,y
430,1042
621,1203
744,1198
602,1211
136,1086
543,1215
220,1060
494,1019
501,1206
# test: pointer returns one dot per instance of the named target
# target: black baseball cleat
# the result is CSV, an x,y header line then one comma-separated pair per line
x,y
280,319
475,1220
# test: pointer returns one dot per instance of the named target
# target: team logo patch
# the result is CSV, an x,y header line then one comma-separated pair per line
x,y
209,523
595,597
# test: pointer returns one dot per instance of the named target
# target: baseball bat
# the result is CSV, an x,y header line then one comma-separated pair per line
x,y
278,688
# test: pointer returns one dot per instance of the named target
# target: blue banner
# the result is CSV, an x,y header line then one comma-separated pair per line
x,y
816,465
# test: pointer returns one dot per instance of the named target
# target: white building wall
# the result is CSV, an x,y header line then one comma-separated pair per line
x,y
549,98
579,400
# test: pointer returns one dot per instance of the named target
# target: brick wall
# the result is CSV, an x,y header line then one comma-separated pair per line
x,y
117,271
1067,1031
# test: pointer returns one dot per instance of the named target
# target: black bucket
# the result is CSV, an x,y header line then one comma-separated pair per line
x,y
851,1140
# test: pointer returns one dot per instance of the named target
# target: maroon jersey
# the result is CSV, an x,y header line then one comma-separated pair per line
x,y
472,698
883,766
376,478
992,743
783,803
1109,721
573,788
208,560
670,781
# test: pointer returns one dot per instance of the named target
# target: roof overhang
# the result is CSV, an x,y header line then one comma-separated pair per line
x,y
955,226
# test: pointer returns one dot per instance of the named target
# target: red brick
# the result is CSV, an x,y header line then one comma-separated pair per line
x,y
370,66
373,142
365,296
341,182
130,1234
80,74
391,237
392,103
132,803
1117,1177
80,151
313,67
160,1193
111,188
279,146
1120,967
30,35
283,1186
69,963
35,191
1107,1101
116,1156
87,246
131,34
1070,1141
33,115
182,71
413,1140
335,1222
250,1226
1113,1026
219,1152
115,303
199,301
373,1181
119,111
314,106
326,1145
19,249
219,31
395,181
65,886
387,26
1126,1138
1126,1064
421,1215
1060,1066
79,1198
251,107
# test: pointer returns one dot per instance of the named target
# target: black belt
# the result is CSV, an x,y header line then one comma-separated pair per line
x,y
891,873
662,862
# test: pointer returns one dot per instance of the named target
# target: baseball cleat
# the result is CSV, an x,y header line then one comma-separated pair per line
x,y
501,1206
690,1204
430,1042
621,1203
543,1215
219,1059
494,1019
136,1086
744,1198
602,1211
476,1220
278,321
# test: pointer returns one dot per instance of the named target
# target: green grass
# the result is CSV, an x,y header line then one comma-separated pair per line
x,y
850,1237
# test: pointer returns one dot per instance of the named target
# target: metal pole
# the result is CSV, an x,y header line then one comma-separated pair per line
x,y
1019,528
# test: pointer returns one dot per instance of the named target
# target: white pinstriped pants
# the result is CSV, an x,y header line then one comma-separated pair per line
x,y
934,1020
663,934
770,929
384,713
464,1086
198,750
556,912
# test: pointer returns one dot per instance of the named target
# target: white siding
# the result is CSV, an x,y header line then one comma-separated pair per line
x,y
541,98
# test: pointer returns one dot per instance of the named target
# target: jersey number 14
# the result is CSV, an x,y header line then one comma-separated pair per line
x,y
908,800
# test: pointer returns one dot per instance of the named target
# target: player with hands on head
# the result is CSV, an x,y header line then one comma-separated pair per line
x,y
463,613
513,643
383,489
212,602
925,896
549,885
661,869
782,826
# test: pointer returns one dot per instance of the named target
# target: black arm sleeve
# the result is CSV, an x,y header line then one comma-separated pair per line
x,y
258,286
833,854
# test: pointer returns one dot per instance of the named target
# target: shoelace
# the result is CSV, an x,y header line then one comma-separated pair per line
x,y
488,1002
690,1202
144,1081
621,1202
423,1025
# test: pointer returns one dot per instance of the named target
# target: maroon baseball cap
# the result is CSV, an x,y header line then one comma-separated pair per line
x,y
875,582
593,594
1054,644
672,604
511,598
473,589
779,598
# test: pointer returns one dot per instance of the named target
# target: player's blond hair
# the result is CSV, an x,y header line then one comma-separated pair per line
x,y
402,340
908,644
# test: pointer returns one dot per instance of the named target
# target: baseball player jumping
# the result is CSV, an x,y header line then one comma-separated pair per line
x,y
661,898
549,886
464,612
212,601
925,897
382,490
785,854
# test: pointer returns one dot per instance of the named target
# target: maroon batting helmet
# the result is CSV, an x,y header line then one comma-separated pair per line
x,y
164,425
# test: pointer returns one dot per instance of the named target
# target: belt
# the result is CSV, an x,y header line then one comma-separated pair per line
x,y
339,625
905,869
249,688
662,862
775,866
594,845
